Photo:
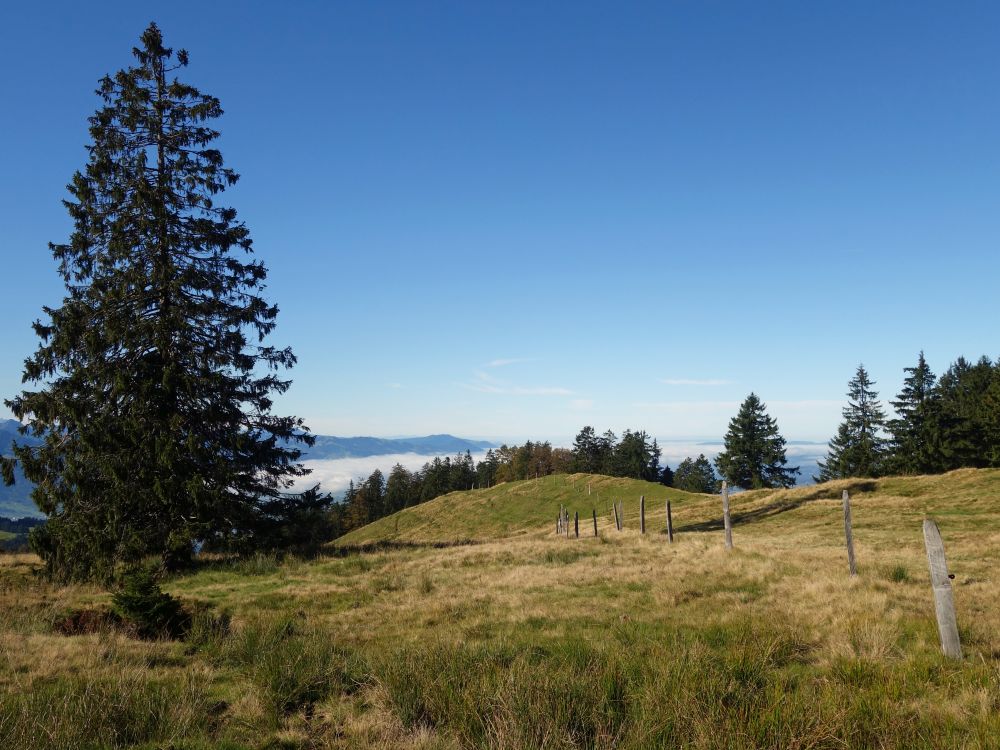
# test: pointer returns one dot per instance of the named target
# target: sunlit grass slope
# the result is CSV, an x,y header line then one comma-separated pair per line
x,y
529,508
526,640
520,508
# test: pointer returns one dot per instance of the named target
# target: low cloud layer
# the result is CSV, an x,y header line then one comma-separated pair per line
x,y
334,475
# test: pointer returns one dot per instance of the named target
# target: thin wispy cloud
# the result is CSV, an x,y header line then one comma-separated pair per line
x,y
486,383
505,362
516,390
695,381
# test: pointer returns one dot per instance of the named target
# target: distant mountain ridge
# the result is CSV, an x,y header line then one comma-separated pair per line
x,y
15,502
330,447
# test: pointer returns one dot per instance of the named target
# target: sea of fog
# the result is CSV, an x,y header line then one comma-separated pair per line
x,y
334,474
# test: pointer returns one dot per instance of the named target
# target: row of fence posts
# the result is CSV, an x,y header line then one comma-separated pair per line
x,y
944,602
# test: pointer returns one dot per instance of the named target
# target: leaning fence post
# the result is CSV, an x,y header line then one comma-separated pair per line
x,y
576,523
725,515
670,525
595,521
642,514
614,507
848,533
944,602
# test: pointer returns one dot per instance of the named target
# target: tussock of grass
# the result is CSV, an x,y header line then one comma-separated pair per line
x,y
292,664
123,709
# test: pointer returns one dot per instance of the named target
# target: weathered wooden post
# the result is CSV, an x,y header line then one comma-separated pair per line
x,y
621,515
576,523
642,514
614,507
558,524
725,515
944,602
670,525
595,521
849,534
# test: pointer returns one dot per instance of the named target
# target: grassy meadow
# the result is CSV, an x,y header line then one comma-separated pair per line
x,y
466,622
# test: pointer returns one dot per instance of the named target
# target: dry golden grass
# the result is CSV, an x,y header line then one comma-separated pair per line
x,y
783,595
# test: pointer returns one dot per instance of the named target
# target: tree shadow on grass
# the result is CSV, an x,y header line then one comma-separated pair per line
x,y
821,492
386,545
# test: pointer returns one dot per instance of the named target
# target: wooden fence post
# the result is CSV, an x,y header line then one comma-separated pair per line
x,y
670,525
621,514
595,521
944,602
725,515
614,507
642,514
848,533
576,523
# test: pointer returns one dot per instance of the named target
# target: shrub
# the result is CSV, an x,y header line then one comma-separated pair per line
x,y
146,609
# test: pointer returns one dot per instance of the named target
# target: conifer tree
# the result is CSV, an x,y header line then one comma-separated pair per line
x,y
968,421
155,384
754,455
858,450
913,444
696,475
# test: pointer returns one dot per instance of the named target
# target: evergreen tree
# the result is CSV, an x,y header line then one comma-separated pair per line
x,y
585,455
631,457
858,450
374,489
605,451
913,446
967,419
486,470
696,475
754,454
398,489
155,416
666,477
653,472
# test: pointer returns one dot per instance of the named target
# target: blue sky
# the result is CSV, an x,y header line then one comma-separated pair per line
x,y
508,220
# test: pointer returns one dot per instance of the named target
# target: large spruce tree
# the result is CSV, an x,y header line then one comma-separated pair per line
x,y
914,445
754,454
858,449
154,381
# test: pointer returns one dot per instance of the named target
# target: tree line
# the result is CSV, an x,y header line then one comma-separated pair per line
x,y
940,424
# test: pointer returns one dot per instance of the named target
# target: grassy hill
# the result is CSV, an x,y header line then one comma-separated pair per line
x,y
517,509
517,638
529,508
